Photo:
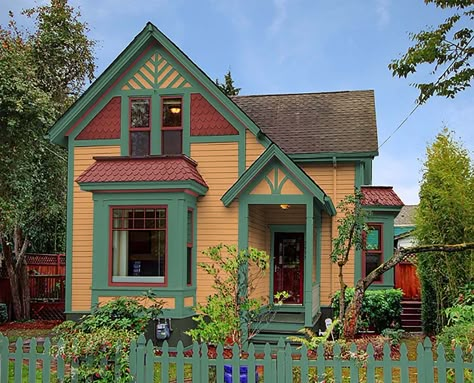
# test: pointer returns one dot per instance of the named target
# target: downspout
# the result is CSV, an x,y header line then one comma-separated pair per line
x,y
333,226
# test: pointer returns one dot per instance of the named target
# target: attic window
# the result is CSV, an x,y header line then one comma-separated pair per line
x,y
140,126
172,127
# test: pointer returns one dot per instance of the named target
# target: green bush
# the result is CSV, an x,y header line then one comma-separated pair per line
x,y
381,309
3,313
460,328
460,334
100,342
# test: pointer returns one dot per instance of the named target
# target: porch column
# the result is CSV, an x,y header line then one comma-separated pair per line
x,y
308,265
243,270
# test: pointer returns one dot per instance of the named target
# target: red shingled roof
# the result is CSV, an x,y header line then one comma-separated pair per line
x,y
153,168
380,196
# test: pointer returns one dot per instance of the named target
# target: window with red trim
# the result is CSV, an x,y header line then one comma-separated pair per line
x,y
189,249
139,244
140,126
171,125
373,253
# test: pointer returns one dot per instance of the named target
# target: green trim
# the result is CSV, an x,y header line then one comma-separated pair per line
x,y
368,172
340,157
308,265
359,175
213,139
124,126
110,142
242,144
384,209
148,185
155,130
69,227
186,124
291,168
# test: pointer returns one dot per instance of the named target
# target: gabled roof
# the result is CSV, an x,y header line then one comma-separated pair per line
x,y
142,169
380,196
274,152
406,217
148,36
332,122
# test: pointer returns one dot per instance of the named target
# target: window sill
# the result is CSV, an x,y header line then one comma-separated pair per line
x,y
117,279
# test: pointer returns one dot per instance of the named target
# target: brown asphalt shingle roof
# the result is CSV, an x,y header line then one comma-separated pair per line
x,y
333,122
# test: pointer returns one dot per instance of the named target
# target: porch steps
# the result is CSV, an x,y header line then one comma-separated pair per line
x,y
282,326
411,316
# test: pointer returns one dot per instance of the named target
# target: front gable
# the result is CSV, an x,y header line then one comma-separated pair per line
x,y
152,66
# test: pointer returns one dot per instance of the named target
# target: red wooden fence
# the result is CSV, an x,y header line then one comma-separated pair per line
x,y
47,285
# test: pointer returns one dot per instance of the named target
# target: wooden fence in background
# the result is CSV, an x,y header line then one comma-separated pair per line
x,y
47,274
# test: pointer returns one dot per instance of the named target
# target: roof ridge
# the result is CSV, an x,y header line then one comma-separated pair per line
x,y
302,93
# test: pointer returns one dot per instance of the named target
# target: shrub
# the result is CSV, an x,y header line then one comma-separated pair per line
x,y
380,308
460,328
100,342
460,334
3,313
232,306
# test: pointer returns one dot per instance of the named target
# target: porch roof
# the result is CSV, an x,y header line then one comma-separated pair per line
x,y
256,170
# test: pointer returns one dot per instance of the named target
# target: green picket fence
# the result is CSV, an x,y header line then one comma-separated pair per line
x,y
278,364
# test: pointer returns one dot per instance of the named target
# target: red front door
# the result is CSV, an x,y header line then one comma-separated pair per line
x,y
288,261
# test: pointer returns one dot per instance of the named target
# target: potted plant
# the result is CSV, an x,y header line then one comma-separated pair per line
x,y
232,314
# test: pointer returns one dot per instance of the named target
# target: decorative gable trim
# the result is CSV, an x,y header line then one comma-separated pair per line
x,y
105,125
156,73
206,120
289,167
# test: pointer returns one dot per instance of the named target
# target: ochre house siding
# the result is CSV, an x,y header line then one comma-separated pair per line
x,y
257,239
218,165
253,148
169,303
82,225
337,181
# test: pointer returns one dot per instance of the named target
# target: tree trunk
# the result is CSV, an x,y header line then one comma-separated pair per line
x,y
342,296
15,263
353,310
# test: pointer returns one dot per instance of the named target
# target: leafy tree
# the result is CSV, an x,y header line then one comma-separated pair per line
x,y
445,215
34,90
351,227
448,49
228,86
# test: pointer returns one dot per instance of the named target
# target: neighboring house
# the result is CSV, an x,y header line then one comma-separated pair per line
x,y
163,165
405,272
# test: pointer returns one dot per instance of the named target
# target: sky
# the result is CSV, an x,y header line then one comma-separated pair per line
x,y
295,46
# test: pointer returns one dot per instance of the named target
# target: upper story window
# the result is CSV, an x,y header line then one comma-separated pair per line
x,y
171,126
140,127
373,253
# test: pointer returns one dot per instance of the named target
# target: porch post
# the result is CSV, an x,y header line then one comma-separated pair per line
x,y
243,269
308,264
